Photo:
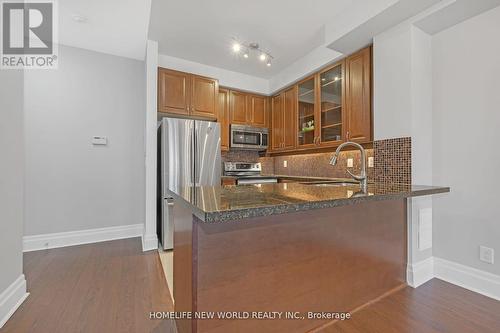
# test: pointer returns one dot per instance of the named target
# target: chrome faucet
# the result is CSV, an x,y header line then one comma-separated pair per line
x,y
363,183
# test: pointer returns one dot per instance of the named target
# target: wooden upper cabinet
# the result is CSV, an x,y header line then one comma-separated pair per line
x,y
307,114
204,97
257,110
277,122
283,122
187,94
289,116
223,118
358,96
238,108
173,91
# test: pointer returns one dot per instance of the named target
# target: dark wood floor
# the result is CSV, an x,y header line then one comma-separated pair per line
x,y
112,287
103,287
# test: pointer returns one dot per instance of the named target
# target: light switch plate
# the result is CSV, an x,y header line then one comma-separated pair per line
x,y
370,161
486,254
350,162
425,229
285,164
99,140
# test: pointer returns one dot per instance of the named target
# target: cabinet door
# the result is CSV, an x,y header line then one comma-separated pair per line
x,y
173,91
358,96
204,100
238,108
306,113
277,122
332,114
223,118
289,115
257,110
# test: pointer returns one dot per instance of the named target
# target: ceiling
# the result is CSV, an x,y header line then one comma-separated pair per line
x,y
202,31
117,27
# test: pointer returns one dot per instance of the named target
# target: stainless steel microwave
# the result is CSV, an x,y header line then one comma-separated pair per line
x,y
247,137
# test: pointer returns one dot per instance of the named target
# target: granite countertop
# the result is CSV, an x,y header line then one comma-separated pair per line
x,y
229,203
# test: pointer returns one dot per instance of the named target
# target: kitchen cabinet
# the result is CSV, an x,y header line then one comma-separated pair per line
x,y
238,108
289,111
173,91
358,96
228,181
325,109
186,94
257,110
223,118
248,109
308,126
332,102
277,122
283,120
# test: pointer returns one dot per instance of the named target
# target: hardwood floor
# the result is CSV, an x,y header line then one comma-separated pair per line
x,y
112,287
436,306
103,287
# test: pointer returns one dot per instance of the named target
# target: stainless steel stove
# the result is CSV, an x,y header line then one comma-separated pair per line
x,y
247,173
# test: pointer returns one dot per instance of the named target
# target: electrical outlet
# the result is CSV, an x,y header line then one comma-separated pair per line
x,y
486,254
350,162
285,164
370,162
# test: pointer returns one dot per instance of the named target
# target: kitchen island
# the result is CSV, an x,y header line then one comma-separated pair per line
x,y
295,249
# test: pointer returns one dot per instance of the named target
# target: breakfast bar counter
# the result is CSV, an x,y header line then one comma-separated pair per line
x,y
232,203
311,250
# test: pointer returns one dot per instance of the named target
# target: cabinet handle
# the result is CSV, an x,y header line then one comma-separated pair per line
x,y
347,135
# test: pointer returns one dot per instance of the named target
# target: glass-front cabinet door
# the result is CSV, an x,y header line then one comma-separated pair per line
x,y
306,112
331,105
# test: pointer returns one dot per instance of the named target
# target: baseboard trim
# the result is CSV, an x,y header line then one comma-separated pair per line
x,y
476,280
149,243
62,239
420,272
12,298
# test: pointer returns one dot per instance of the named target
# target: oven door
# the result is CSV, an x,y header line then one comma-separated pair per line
x,y
262,180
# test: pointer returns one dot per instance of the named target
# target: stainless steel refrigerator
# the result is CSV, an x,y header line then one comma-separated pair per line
x,y
188,156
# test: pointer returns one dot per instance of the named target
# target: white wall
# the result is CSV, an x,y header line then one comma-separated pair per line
x,y
466,123
392,83
308,64
11,191
71,184
226,78
149,238
403,107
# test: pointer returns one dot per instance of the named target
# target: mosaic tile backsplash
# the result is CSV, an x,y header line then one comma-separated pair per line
x,y
393,161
